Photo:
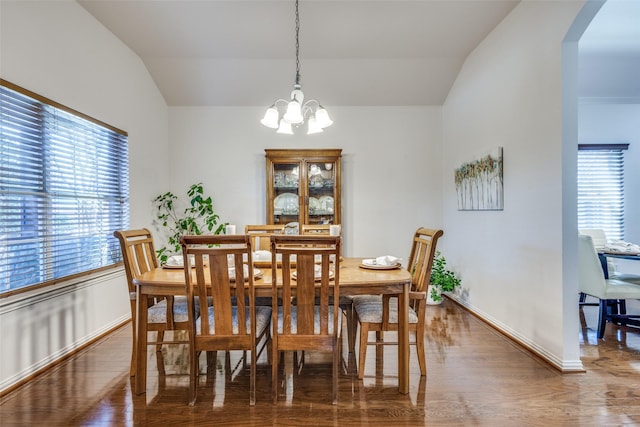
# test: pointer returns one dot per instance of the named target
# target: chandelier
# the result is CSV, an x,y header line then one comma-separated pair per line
x,y
296,111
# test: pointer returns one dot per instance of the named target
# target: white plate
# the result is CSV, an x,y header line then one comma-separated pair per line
x,y
372,264
286,202
380,267
314,204
257,273
326,203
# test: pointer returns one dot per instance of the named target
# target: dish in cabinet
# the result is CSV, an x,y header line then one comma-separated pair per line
x,y
285,203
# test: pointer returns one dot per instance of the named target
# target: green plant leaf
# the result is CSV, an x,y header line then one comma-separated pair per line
x,y
198,216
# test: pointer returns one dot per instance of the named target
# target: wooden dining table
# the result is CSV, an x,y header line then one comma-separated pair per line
x,y
354,280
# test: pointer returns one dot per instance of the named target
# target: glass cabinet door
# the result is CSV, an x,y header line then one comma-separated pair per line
x,y
321,192
286,193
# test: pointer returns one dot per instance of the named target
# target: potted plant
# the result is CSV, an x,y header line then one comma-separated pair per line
x,y
197,218
442,280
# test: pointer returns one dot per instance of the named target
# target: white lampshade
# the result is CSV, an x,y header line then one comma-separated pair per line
x,y
322,117
285,127
313,126
294,113
270,118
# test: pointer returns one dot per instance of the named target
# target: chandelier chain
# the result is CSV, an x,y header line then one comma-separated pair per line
x,y
297,110
297,45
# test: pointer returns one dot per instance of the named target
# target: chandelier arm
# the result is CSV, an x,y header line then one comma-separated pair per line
x,y
308,108
280,101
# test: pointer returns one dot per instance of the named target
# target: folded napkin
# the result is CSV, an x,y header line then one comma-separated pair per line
x,y
386,261
178,261
262,256
175,260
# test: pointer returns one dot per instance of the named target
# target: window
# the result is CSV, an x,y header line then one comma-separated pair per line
x,y
601,188
64,189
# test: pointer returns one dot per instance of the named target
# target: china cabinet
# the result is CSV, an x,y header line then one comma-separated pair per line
x,y
303,187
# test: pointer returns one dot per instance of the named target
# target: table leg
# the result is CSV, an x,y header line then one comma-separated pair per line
x,y
141,363
403,340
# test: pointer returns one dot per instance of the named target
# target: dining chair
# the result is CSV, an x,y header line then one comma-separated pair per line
x,y
260,234
600,241
221,288
307,317
611,293
346,302
379,313
165,314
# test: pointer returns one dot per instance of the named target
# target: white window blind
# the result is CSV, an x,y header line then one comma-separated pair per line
x,y
601,188
64,189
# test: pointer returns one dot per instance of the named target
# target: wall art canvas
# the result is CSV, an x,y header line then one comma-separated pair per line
x,y
479,183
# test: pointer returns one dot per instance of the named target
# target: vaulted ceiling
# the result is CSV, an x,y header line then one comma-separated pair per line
x,y
352,52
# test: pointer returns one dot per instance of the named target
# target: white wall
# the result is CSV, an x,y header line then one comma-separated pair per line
x,y
509,94
391,167
618,123
56,49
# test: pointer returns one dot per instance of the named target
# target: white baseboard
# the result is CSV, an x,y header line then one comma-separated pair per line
x,y
562,365
59,355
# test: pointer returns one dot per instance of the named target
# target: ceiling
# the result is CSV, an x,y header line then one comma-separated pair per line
x,y
352,52
609,63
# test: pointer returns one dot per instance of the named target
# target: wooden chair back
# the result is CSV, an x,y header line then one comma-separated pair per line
x,y
314,229
420,261
260,235
138,253
307,318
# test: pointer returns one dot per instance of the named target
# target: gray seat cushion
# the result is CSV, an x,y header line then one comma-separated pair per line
x,y
158,312
369,309
263,319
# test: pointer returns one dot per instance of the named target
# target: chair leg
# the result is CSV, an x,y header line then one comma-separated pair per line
x,y
602,318
422,361
351,327
132,368
159,358
364,338
194,370
274,369
252,378
337,354
211,360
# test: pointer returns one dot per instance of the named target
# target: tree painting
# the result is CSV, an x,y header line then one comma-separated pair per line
x,y
479,183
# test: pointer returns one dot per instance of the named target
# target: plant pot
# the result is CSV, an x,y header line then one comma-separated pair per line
x,y
430,300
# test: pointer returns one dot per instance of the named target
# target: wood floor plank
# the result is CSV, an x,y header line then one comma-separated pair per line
x,y
475,376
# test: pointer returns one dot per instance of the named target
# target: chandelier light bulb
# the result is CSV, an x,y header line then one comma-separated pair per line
x,y
270,118
285,127
323,118
294,113
313,126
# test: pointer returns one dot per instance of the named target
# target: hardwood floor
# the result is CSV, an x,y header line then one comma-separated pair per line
x,y
475,377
